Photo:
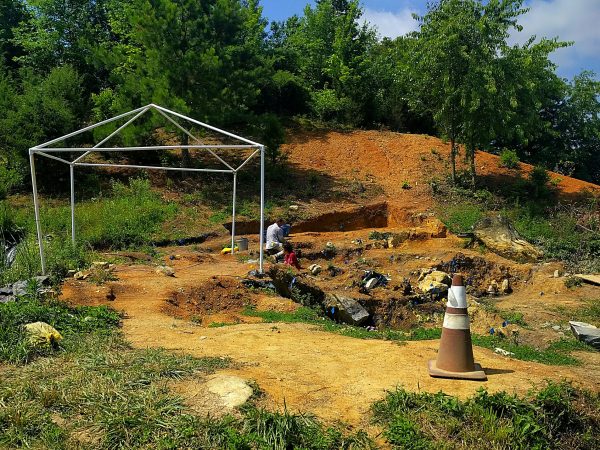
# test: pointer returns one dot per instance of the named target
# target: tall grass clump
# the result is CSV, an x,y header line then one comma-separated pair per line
x,y
557,416
570,233
61,256
131,215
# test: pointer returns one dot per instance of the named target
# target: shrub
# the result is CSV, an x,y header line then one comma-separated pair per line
x,y
509,159
539,178
9,178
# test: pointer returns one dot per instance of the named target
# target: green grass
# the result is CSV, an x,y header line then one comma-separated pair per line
x,y
589,312
556,416
557,354
140,215
460,218
129,216
220,324
311,316
70,322
99,393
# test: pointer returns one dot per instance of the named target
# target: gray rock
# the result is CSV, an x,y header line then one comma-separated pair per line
x,y
6,290
346,309
43,280
556,327
586,333
19,288
7,298
295,286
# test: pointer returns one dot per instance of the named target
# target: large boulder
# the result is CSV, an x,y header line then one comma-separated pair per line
x,y
232,391
498,235
586,333
345,309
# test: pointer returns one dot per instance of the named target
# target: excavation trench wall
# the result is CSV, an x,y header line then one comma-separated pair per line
x,y
377,215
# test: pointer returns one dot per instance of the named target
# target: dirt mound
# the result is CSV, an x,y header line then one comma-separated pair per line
x,y
219,296
403,164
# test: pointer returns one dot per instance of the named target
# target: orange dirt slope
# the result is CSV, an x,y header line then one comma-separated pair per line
x,y
391,159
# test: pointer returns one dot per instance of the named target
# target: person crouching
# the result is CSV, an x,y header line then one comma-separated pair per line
x,y
289,256
275,239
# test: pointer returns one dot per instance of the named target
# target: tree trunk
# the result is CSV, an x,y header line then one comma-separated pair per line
x,y
453,152
186,160
471,156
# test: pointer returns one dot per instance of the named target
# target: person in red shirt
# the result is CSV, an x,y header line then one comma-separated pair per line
x,y
290,256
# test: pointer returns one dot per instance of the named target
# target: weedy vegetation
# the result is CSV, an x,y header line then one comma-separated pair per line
x,y
556,416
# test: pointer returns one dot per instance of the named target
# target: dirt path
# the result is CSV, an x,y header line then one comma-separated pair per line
x,y
332,376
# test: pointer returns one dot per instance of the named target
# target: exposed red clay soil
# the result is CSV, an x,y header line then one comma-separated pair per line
x,y
390,159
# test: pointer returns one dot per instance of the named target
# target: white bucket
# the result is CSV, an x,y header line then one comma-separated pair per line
x,y
242,244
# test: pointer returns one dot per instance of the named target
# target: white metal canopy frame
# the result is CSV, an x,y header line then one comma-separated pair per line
x,y
46,151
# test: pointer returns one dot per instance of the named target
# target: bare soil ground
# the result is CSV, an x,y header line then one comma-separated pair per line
x,y
332,376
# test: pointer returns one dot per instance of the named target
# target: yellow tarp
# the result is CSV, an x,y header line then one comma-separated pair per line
x,y
40,334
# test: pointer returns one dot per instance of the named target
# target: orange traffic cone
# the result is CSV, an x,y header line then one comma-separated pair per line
x,y
455,357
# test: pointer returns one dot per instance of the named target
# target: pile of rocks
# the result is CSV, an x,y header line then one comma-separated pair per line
x,y
11,292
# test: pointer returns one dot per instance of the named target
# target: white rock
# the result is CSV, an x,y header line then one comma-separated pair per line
x,y
233,391
166,270
503,352
294,207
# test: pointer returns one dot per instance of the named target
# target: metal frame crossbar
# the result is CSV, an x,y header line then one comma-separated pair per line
x,y
46,151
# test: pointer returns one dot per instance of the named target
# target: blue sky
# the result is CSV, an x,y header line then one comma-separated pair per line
x,y
570,20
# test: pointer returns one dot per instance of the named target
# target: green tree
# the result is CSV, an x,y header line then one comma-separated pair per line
x,y
42,107
65,32
578,129
330,46
12,12
465,71
205,58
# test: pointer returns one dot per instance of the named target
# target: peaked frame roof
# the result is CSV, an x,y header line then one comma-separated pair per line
x,y
47,151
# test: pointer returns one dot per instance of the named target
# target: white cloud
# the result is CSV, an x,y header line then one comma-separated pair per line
x,y
391,24
569,20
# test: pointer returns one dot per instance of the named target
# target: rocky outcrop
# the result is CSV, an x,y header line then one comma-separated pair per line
x,y
11,292
586,333
498,235
435,282
296,287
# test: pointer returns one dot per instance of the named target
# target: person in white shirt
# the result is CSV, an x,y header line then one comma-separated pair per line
x,y
275,239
